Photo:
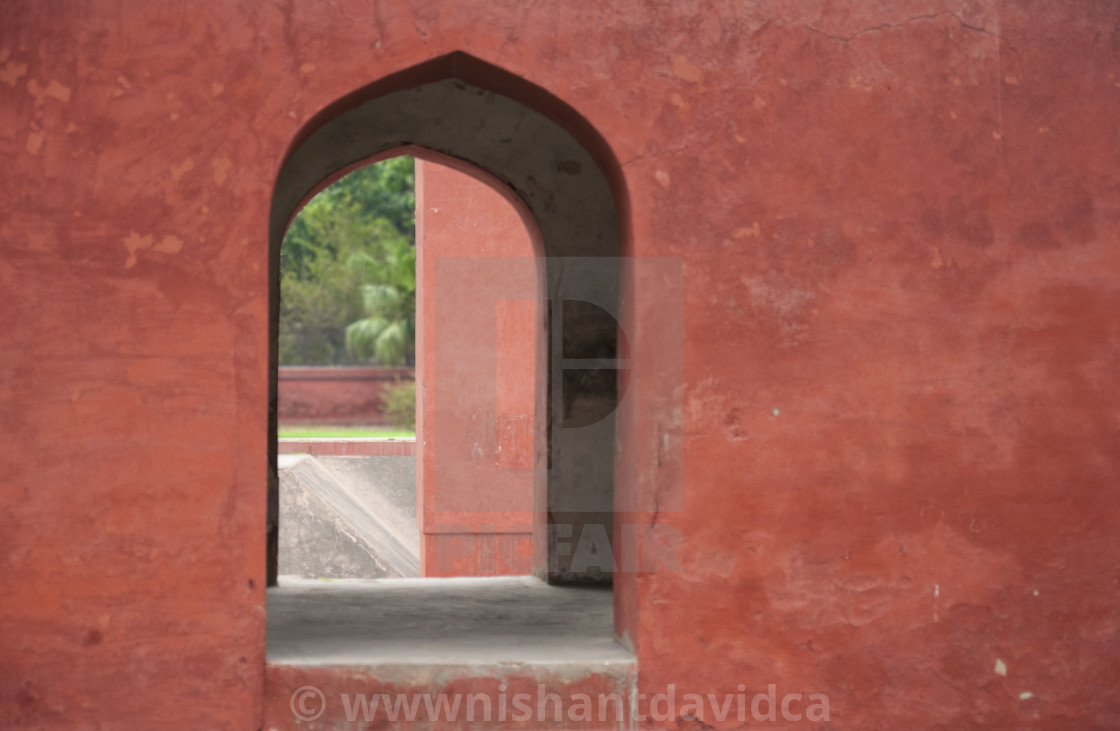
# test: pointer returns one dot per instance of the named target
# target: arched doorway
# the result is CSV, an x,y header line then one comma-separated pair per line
x,y
563,178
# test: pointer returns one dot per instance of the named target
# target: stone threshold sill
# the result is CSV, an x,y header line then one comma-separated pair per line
x,y
486,625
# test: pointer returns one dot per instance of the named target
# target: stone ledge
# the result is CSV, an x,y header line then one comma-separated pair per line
x,y
394,623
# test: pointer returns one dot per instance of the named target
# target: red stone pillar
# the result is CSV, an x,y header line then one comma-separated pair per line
x,y
479,328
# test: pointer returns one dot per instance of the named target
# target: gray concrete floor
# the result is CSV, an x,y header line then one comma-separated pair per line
x,y
432,622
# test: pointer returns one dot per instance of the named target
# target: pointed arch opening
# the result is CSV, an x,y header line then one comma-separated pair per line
x,y
564,181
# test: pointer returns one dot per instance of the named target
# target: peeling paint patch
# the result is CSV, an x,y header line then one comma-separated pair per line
x,y
134,242
124,86
169,245
11,72
35,141
733,426
754,230
178,171
686,70
53,90
58,91
1001,668
221,169
782,299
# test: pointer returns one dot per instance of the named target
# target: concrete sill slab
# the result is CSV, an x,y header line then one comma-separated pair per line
x,y
451,623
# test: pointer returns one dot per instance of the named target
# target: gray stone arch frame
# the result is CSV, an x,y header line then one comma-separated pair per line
x,y
562,175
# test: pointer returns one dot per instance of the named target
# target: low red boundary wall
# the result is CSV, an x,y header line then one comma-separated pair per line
x,y
348,447
335,395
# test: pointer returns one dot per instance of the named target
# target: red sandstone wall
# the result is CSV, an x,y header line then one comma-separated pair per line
x,y
476,379
899,435
327,395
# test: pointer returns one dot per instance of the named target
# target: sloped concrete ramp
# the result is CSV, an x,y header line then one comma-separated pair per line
x,y
386,486
327,529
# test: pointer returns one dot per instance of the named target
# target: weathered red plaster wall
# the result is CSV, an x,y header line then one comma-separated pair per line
x,y
336,395
899,226
898,432
477,377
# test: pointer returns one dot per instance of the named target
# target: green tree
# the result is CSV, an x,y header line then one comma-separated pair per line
x,y
325,260
387,333
386,190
